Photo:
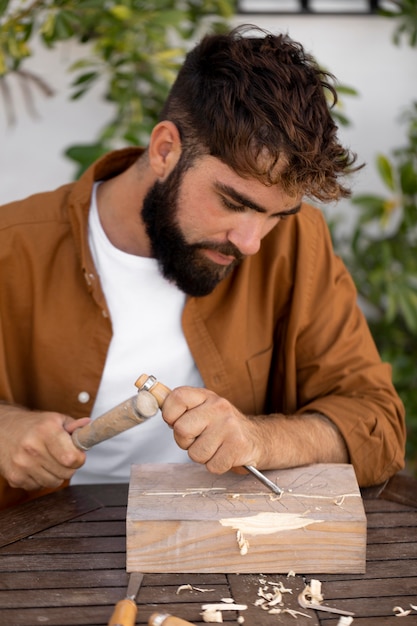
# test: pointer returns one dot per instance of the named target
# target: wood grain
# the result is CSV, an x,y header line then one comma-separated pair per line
x,y
181,518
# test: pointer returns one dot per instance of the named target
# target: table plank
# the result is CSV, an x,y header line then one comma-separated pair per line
x,y
389,587
97,616
67,562
42,545
35,515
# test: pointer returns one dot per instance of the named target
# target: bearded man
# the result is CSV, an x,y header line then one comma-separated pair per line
x,y
197,260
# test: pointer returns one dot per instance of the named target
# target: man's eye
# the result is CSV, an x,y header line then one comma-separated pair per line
x,y
232,206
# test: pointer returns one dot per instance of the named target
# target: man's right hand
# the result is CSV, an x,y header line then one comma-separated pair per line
x,y
36,449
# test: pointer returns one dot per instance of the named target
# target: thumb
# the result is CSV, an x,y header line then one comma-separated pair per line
x,y
70,424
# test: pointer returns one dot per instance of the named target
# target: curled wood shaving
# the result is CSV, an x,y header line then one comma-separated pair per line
x,y
311,598
271,598
400,612
280,587
183,588
191,588
345,620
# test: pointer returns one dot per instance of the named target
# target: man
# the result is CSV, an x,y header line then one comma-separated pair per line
x,y
196,261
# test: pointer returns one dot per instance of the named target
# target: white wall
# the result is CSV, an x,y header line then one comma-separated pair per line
x,y
358,50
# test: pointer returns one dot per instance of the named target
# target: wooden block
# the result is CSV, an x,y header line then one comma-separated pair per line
x,y
181,518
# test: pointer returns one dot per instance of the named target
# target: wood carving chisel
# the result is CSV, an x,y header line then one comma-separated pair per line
x,y
125,611
160,392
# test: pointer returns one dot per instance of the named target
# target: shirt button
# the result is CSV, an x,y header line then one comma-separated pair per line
x,y
83,397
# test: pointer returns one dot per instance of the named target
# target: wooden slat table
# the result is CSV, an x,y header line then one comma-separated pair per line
x,y
62,563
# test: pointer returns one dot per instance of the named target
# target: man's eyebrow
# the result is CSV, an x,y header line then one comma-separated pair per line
x,y
245,201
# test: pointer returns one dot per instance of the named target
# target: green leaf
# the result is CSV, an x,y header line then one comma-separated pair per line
x,y
386,171
84,78
3,6
64,27
374,206
391,308
85,154
407,302
347,91
121,12
341,118
408,178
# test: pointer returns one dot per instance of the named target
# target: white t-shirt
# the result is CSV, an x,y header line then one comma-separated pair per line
x,y
145,311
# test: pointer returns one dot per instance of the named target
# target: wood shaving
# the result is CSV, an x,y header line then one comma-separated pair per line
x,y
345,620
242,543
280,586
271,595
272,598
212,616
294,613
191,588
224,607
311,598
400,612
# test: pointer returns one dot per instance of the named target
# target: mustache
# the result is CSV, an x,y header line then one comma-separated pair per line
x,y
228,249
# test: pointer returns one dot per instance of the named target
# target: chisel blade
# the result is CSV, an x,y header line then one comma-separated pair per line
x,y
125,611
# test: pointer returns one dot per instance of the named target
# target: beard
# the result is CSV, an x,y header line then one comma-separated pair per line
x,y
180,262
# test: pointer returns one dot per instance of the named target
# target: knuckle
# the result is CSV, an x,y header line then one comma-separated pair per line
x,y
70,459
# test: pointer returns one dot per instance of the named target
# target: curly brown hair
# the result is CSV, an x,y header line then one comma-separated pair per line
x,y
258,103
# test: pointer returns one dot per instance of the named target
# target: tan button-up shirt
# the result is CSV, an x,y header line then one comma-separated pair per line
x,y
282,334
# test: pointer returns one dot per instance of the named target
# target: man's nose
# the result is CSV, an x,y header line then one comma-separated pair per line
x,y
246,237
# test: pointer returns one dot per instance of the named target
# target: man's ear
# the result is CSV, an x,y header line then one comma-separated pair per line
x,y
164,148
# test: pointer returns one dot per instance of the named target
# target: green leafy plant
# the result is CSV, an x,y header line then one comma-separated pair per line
x,y
381,251
133,49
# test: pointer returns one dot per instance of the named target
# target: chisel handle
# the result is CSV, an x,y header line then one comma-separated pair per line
x,y
164,619
157,389
125,415
124,613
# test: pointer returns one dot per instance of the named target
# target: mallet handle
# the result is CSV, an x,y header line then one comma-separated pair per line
x,y
125,415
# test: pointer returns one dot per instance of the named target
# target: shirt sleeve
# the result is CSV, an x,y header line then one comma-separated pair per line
x,y
338,368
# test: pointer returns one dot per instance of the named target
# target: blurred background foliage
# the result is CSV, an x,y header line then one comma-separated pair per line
x,y
380,249
133,49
